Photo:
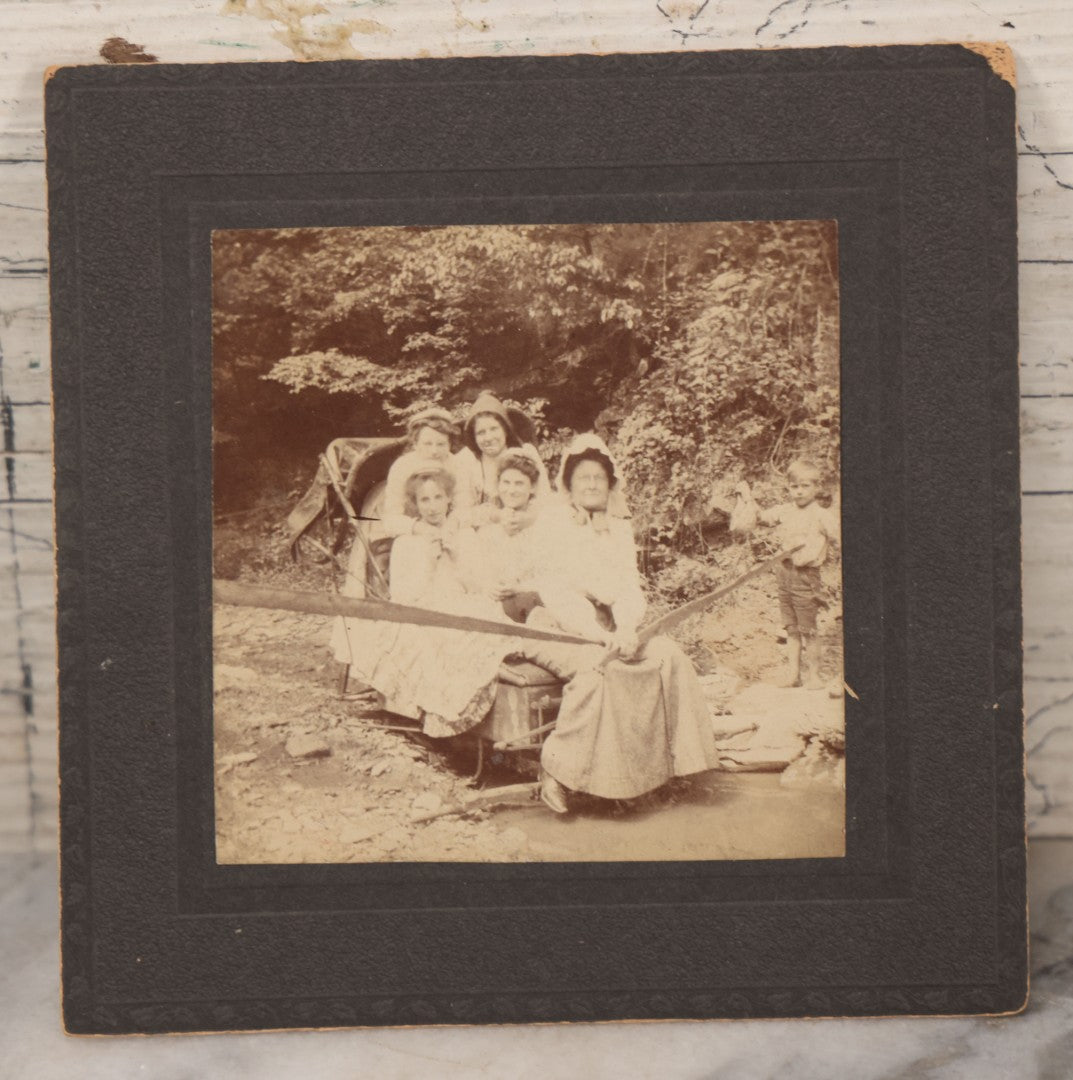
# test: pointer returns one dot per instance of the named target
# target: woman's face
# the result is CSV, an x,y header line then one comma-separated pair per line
x,y
489,435
431,502
432,444
590,486
515,489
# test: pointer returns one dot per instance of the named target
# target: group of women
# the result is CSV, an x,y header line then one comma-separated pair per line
x,y
479,531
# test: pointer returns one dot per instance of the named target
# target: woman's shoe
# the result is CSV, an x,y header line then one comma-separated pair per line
x,y
553,794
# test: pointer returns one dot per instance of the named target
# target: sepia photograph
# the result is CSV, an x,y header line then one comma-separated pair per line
x,y
526,543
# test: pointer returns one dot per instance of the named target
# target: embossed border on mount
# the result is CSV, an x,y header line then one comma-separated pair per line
x,y
952,939
862,195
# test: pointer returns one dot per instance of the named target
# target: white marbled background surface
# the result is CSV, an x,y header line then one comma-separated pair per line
x,y
35,34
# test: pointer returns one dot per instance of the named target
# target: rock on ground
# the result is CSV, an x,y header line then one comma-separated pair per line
x,y
817,765
768,727
719,689
308,746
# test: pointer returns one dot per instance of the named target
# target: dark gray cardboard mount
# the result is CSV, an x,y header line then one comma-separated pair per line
x,y
911,150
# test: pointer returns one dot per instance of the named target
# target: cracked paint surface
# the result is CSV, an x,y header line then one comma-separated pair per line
x,y
309,29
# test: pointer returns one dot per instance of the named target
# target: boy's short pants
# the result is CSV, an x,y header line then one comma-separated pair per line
x,y
799,596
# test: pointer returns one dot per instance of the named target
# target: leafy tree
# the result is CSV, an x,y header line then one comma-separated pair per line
x,y
743,377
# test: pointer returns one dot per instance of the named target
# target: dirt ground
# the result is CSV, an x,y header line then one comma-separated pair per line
x,y
303,775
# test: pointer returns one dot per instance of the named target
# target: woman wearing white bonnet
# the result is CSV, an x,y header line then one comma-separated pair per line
x,y
627,726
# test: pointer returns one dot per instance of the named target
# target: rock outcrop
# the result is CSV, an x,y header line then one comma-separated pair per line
x,y
800,733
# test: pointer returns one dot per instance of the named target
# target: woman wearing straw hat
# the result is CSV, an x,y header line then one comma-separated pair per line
x,y
433,438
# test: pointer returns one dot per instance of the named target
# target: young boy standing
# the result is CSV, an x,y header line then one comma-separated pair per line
x,y
806,526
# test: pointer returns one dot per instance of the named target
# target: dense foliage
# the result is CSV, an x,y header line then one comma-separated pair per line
x,y
705,353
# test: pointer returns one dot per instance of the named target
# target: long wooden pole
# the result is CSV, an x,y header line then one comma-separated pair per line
x,y
243,595
701,603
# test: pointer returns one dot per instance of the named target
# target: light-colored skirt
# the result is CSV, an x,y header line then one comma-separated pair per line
x,y
627,728
447,678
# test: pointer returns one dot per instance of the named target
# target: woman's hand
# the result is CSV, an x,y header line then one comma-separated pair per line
x,y
622,645
626,644
502,592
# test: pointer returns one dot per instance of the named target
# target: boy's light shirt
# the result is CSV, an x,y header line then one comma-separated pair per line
x,y
811,525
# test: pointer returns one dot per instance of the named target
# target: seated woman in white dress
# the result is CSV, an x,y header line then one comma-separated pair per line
x,y
507,557
627,726
426,564
444,677
432,435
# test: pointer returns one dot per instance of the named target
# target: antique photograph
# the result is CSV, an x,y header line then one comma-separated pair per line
x,y
526,543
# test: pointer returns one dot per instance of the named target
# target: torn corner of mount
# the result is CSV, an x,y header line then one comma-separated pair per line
x,y
999,57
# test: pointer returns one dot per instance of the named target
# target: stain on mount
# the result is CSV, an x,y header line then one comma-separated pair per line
x,y
117,50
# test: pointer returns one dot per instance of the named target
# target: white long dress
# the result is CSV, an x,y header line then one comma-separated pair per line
x,y
445,677
623,728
